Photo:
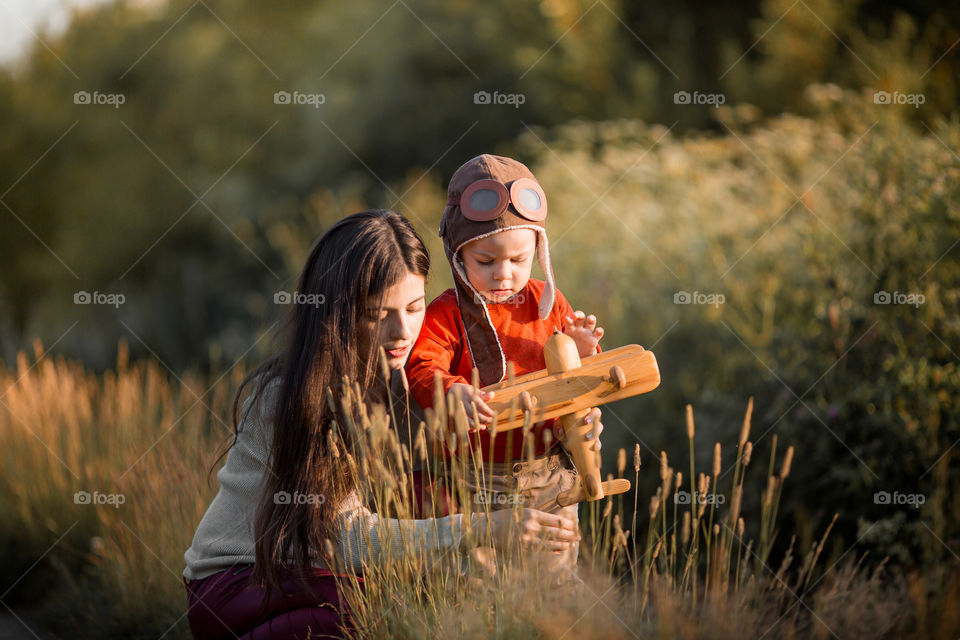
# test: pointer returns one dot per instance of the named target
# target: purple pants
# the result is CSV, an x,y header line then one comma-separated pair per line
x,y
224,606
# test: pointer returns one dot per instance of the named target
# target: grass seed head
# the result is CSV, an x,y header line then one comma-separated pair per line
x,y
745,429
787,461
654,506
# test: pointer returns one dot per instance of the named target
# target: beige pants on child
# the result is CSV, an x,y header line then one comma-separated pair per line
x,y
534,485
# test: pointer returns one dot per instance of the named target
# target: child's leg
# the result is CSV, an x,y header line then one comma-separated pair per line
x,y
534,485
540,484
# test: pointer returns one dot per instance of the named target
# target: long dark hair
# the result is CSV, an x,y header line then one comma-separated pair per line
x,y
351,265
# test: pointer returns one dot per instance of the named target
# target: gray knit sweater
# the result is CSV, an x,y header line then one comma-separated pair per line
x,y
225,537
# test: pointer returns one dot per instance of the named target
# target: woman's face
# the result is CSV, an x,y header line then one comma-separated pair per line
x,y
400,314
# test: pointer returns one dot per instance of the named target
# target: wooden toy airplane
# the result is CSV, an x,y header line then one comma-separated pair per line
x,y
566,389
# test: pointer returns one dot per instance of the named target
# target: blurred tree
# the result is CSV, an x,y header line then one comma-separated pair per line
x,y
171,198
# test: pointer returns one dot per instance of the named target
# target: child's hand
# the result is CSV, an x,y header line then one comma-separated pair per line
x,y
592,418
465,392
584,331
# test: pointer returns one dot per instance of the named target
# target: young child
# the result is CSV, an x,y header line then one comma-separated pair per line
x,y
491,228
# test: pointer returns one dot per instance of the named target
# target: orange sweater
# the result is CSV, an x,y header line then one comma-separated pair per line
x,y
442,346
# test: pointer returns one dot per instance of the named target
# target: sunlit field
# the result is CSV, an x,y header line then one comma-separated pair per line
x,y
763,193
105,481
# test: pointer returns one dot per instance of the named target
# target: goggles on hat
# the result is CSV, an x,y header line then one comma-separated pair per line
x,y
486,200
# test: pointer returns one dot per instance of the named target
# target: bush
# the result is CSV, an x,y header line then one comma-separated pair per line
x,y
798,223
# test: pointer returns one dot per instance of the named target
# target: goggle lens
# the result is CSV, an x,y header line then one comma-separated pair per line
x,y
484,200
529,199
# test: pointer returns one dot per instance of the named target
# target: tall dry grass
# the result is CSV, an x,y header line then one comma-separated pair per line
x,y
136,432
690,562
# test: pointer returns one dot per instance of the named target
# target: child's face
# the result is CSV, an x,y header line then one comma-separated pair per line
x,y
498,266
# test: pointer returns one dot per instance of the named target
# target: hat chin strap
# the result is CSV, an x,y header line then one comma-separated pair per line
x,y
487,376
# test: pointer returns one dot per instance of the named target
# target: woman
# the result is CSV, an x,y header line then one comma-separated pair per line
x,y
254,569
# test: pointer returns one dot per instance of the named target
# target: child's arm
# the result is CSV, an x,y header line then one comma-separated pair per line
x,y
432,354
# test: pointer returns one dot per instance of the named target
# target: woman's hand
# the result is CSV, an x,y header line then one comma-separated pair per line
x,y
533,529
464,392
592,418
584,331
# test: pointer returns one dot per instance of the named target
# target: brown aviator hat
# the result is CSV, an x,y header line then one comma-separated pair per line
x,y
489,194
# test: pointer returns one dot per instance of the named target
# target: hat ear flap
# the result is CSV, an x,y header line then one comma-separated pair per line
x,y
480,331
549,288
443,221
